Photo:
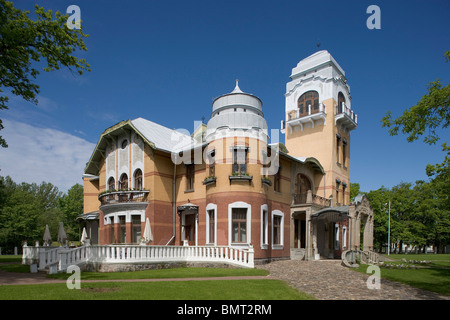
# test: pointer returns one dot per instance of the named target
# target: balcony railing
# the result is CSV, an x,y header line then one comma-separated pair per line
x,y
309,198
297,118
123,196
345,115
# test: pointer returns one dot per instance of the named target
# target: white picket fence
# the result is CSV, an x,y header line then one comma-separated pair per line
x,y
62,258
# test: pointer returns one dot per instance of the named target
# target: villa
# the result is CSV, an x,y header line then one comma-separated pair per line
x,y
230,183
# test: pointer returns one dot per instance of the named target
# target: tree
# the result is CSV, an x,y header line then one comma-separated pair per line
x,y
71,206
24,42
429,219
25,210
429,114
354,190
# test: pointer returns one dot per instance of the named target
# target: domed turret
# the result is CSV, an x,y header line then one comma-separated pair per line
x,y
236,110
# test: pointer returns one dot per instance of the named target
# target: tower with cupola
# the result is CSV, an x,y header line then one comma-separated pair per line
x,y
319,119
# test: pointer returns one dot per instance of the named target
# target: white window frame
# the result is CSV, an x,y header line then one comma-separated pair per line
x,y
240,204
211,206
336,236
264,227
344,238
279,246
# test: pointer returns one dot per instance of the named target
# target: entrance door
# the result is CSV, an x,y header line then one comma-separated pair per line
x,y
300,230
189,228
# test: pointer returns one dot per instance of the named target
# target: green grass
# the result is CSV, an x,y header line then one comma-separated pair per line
x,y
167,273
10,258
15,268
432,277
167,290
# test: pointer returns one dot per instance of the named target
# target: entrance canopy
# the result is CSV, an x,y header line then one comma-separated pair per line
x,y
188,207
332,214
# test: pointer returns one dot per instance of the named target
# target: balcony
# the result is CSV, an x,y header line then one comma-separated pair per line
x,y
295,118
345,117
136,199
309,198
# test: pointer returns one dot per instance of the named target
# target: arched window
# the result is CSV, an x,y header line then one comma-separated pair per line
x,y
123,182
138,179
302,185
341,100
308,99
111,183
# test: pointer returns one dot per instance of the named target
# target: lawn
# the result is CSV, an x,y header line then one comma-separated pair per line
x,y
167,290
167,273
434,276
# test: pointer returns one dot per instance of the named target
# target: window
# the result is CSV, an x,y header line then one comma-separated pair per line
x,y
190,172
112,235
344,145
136,228
211,163
124,143
239,160
338,142
308,103
337,191
264,227
211,227
302,186
344,237
138,179
344,186
336,237
341,101
123,229
277,229
239,225
211,210
111,184
276,180
123,182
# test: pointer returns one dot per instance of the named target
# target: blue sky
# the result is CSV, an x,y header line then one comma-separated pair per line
x,y
166,62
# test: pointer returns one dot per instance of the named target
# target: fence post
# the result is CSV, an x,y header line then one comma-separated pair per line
x,y
251,257
42,259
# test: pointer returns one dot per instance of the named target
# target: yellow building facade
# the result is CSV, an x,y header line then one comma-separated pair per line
x,y
226,184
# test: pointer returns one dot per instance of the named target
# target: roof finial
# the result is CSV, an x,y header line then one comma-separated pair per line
x,y
237,89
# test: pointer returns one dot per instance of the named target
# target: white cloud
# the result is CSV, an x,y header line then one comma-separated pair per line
x,y
41,154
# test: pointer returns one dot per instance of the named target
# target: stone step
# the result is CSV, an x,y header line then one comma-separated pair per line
x,y
297,254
